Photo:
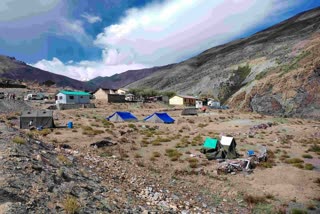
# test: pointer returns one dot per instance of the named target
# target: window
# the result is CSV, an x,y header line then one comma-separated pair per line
x,y
71,97
81,97
60,98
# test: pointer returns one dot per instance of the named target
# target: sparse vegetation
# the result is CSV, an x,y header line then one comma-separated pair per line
x,y
88,130
298,211
253,199
18,140
193,162
307,156
173,154
64,160
308,166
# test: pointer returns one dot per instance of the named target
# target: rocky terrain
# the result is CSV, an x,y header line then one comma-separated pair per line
x,y
291,48
58,170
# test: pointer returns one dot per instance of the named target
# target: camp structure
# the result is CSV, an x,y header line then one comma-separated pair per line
x,y
121,116
159,117
36,118
210,145
213,149
189,111
229,146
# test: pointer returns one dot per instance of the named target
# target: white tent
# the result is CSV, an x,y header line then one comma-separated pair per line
x,y
226,141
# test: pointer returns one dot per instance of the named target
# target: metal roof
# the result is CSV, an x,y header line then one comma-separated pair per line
x,y
79,93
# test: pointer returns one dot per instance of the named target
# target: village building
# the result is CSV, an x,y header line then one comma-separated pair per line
x,y
122,91
183,100
109,95
101,93
72,97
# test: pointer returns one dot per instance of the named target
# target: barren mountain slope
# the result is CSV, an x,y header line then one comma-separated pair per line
x,y
17,70
223,70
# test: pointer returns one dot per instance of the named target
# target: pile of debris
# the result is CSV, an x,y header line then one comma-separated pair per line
x,y
225,149
243,165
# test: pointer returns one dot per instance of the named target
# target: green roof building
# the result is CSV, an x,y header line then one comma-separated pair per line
x,y
73,97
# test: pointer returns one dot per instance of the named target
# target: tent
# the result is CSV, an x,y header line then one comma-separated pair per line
x,y
38,118
229,145
121,116
189,111
159,117
210,143
213,149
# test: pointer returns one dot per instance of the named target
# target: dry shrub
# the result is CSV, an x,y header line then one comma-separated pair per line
x,y
173,154
71,205
137,155
156,154
64,160
18,140
193,162
308,166
44,132
88,130
294,161
251,199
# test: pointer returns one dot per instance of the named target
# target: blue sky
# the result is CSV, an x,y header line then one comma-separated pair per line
x,y
83,39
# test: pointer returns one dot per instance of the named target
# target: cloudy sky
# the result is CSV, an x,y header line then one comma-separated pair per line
x,y
84,39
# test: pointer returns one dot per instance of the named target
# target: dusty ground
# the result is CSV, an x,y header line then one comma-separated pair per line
x,y
136,143
142,150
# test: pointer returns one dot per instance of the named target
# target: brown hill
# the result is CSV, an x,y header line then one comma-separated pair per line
x,y
17,70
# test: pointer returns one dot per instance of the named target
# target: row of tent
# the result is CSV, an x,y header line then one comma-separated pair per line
x,y
158,117
44,118
223,149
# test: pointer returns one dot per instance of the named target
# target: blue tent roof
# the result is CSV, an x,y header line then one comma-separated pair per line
x,y
164,117
123,115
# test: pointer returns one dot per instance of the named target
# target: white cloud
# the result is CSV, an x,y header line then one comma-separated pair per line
x,y
85,70
164,33
17,9
91,18
73,28
167,32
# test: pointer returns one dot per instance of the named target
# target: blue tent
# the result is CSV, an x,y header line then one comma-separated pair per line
x,y
159,117
120,116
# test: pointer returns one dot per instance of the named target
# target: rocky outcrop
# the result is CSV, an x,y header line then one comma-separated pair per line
x,y
36,177
288,90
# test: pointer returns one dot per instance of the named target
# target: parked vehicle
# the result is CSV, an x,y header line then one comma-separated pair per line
x,y
35,97
2,95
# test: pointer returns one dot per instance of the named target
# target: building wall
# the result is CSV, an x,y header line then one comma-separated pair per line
x,y
116,98
66,99
100,94
189,102
176,100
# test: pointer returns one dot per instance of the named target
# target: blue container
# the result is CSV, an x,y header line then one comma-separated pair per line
x,y
70,125
250,153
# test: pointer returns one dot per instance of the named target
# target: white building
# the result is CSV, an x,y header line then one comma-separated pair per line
x,y
73,97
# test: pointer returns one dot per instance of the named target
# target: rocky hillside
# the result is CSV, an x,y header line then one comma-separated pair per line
x,y
220,72
125,78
